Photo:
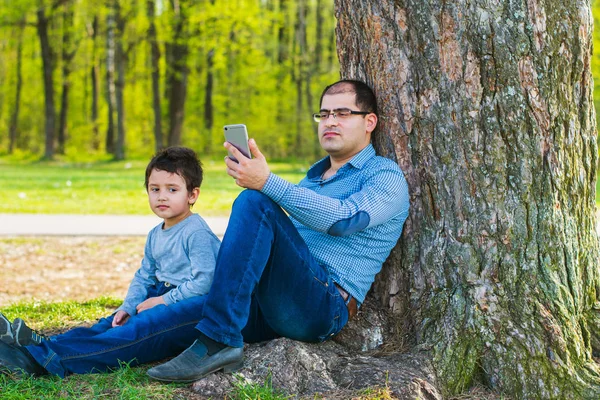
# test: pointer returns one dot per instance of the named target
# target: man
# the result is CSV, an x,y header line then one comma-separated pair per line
x,y
300,276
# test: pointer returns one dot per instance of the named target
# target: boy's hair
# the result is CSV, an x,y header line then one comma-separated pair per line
x,y
365,98
177,160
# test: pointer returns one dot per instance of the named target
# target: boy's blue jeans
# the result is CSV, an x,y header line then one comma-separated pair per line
x,y
266,285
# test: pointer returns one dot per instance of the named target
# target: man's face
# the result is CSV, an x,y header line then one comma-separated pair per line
x,y
344,137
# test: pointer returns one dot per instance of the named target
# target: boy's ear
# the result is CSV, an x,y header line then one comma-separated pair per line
x,y
193,196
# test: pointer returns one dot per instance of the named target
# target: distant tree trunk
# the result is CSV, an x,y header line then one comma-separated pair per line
x,y
300,76
68,52
282,57
94,74
178,49
155,62
111,90
231,62
48,71
318,36
120,83
487,106
14,118
208,102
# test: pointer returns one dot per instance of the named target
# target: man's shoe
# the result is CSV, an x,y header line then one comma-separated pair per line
x,y
17,360
6,334
24,335
195,363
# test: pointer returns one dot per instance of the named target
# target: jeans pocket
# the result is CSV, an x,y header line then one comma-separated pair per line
x,y
338,320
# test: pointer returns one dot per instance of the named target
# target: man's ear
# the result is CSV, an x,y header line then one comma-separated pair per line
x,y
371,120
193,196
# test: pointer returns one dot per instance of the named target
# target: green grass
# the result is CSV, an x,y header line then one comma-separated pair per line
x,y
123,383
109,187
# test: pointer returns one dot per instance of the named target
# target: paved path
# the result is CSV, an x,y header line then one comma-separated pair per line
x,y
88,225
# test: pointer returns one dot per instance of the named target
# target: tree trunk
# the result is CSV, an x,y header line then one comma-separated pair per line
x,y
111,90
120,83
318,36
179,71
155,62
488,109
14,118
48,71
208,101
300,76
68,52
94,74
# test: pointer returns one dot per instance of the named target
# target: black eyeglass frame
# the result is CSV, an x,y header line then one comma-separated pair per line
x,y
318,118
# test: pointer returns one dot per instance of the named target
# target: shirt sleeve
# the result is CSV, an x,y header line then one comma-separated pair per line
x,y
202,249
383,195
144,278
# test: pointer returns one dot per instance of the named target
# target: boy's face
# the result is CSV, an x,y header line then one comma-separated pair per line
x,y
169,198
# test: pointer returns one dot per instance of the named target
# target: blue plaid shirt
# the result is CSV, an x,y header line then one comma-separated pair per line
x,y
350,221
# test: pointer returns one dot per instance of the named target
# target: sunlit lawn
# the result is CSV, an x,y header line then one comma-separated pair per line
x,y
124,383
109,187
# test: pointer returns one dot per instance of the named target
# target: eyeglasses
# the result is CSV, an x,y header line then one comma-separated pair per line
x,y
339,114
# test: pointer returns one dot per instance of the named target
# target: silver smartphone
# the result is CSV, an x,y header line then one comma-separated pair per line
x,y
237,135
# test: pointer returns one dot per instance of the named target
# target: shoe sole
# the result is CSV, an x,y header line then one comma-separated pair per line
x,y
229,368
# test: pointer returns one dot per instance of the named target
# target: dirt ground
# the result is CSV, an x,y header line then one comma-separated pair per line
x,y
67,268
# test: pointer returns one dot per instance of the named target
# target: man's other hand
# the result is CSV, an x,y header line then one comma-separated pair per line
x,y
249,173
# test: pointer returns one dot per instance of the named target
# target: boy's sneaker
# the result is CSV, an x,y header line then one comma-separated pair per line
x,y
24,335
6,334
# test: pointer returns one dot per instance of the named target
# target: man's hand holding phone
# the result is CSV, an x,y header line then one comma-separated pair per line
x,y
249,173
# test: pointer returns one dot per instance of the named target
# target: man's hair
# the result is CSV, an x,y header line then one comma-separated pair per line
x,y
365,98
177,160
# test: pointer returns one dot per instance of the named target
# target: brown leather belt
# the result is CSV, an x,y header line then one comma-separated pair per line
x,y
352,305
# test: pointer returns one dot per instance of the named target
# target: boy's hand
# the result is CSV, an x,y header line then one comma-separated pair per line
x,y
149,303
120,318
250,173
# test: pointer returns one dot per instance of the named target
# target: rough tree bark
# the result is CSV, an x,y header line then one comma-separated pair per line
x,y
487,107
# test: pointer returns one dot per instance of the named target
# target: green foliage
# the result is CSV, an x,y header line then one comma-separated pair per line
x,y
261,76
109,187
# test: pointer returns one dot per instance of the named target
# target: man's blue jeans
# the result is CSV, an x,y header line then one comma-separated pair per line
x,y
266,285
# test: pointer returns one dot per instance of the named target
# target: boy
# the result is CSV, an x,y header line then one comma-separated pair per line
x,y
179,261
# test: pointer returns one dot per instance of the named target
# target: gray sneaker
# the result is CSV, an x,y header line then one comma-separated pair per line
x,y
6,334
24,335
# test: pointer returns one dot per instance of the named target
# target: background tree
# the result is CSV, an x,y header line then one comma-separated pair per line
x,y
177,51
488,109
68,50
14,119
45,13
239,62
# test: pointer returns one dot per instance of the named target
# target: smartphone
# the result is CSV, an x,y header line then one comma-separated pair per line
x,y
237,135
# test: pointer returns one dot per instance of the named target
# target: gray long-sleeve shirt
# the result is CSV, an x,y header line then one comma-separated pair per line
x,y
183,255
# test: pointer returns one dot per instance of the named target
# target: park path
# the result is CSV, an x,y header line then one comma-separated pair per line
x,y
88,225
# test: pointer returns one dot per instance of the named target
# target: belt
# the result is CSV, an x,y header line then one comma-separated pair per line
x,y
352,305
